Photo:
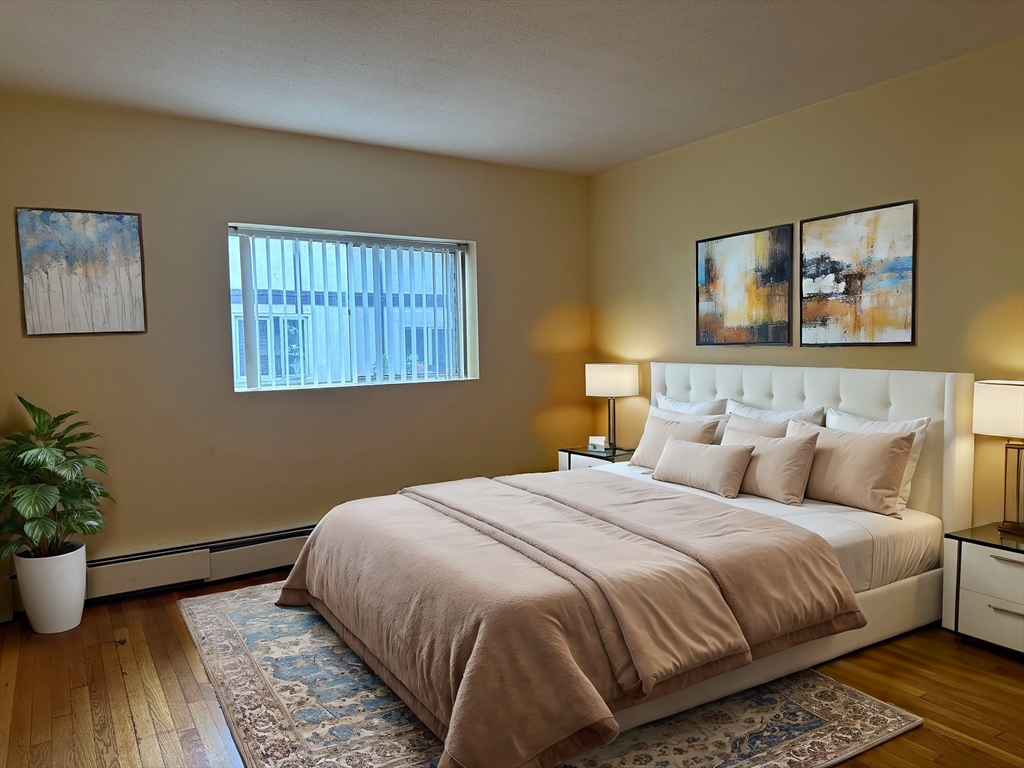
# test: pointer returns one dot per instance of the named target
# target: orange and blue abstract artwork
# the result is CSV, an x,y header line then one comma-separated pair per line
x,y
743,287
857,277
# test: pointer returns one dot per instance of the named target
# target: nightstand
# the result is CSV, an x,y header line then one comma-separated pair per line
x,y
983,586
581,458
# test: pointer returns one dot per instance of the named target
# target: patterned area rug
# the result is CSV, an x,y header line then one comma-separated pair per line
x,y
296,696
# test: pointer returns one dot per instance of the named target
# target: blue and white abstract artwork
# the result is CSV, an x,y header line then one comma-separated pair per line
x,y
81,272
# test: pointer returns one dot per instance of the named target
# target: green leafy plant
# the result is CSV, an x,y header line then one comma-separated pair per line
x,y
45,496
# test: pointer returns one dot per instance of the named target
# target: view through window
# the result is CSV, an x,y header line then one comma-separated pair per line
x,y
311,308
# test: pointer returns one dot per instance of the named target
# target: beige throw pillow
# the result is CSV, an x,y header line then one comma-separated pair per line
x,y
667,415
715,468
758,426
849,423
779,466
658,431
857,469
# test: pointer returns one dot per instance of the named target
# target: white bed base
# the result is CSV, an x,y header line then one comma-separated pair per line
x,y
943,486
890,610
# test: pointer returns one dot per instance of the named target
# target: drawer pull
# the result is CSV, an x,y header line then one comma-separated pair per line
x,y
1005,610
1007,560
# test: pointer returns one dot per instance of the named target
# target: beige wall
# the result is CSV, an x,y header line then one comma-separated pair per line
x,y
192,460
951,137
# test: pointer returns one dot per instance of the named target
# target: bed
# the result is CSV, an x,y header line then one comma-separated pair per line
x,y
527,619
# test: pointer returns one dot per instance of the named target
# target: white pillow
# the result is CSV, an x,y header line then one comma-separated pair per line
x,y
811,415
847,422
704,408
667,415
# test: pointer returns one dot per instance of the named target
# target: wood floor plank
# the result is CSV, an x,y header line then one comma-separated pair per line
x,y
953,748
964,662
125,739
179,662
947,676
946,690
8,681
963,655
21,720
99,706
1006,720
169,683
185,639
90,636
85,753
149,750
979,745
209,734
116,613
42,652
171,751
39,756
925,754
62,747
60,678
76,658
137,702
158,708
192,747
104,631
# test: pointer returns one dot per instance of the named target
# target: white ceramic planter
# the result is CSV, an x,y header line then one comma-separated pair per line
x,y
53,589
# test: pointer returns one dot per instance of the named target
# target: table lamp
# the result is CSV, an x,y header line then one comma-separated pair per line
x,y
999,411
612,380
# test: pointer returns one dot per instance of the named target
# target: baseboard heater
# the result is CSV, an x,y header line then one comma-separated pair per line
x,y
207,561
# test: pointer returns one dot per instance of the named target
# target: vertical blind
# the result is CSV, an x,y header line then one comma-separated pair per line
x,y
317,310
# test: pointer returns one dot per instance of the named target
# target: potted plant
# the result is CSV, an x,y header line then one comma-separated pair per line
x,y
45,499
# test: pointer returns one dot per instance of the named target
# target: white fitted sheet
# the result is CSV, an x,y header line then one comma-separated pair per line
x,y
873,550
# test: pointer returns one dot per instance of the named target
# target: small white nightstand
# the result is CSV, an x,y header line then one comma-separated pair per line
x,y
581,458
983,586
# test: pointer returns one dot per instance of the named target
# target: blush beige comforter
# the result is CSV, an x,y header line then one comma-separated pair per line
x,y
515,615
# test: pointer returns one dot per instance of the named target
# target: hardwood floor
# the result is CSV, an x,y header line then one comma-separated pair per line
x,y
127,688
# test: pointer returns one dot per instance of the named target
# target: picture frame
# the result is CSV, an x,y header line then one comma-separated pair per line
x,y
82,272
852,295
729,268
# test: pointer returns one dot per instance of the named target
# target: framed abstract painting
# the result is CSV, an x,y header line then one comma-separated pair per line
x,y
743,287
81,272
857,277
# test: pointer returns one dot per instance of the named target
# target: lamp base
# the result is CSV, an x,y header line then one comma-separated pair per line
x,y
1013,500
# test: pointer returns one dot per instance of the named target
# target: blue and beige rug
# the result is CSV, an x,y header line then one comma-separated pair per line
x,y
296,696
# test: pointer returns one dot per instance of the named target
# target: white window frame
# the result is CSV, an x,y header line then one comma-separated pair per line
x,y
467,351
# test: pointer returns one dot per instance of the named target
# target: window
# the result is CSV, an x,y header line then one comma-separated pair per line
x,y
311,308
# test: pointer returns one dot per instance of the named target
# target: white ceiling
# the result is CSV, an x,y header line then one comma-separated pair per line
x,y
572,85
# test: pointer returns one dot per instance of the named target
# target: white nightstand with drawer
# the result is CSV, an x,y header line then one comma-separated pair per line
x,y
983,586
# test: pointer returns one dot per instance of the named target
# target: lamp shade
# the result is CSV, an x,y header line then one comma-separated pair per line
x,y
999,408
612,379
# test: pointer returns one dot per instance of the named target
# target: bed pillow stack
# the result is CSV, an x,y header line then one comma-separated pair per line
x,y
852,461
657,433
849,423
779,466
670,409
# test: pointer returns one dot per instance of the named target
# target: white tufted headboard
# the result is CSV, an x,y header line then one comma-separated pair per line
x,y
944,480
